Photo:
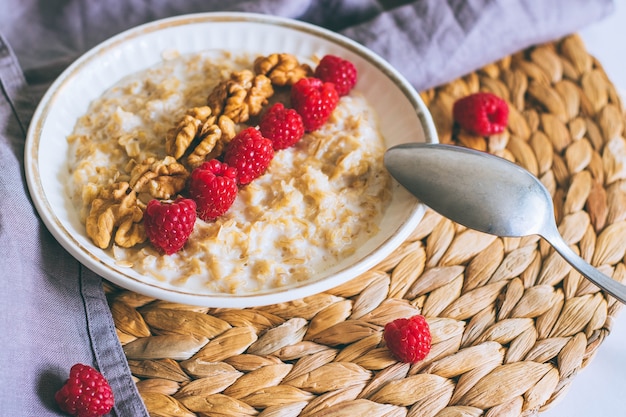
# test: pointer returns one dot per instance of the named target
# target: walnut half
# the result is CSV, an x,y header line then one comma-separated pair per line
x,y
161,179
282,69
115,215
200,135
242,95
180,137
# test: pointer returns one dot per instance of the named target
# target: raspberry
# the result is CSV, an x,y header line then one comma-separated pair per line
x,y
86,393
213,186
408,339
250,153
338,71
314,100
169,224
481,113
282,126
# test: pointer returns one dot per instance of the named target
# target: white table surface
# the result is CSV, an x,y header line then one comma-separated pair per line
x,y
599,390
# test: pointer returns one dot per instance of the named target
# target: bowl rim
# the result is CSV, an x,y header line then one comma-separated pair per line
x,y
84,256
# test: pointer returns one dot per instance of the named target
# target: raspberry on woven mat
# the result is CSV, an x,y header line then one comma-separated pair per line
x,y
408,339
481,113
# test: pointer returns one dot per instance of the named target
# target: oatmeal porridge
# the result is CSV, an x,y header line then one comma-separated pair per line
x,y
317,202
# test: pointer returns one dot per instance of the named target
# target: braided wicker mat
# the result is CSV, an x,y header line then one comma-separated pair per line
x,y
512,322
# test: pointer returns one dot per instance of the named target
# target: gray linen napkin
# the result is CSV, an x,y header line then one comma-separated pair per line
x,y
53,312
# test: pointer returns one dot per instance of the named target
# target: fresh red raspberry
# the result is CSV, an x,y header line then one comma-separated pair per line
x,y
250,153
314,100
481,113
408,339
213,186
86,393
282,126
338,71
169,224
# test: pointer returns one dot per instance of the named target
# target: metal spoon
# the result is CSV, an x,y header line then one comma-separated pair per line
x,y
488,194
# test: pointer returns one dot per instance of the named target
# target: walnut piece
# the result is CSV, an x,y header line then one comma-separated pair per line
x,y
200,113
115,215
282,69
242,95
160,179
210,146
200,135
179,138
227,126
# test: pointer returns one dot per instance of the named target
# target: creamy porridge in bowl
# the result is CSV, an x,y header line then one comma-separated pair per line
x,y
324,211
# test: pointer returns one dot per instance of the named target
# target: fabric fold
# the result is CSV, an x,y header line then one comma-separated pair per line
x,y
433,42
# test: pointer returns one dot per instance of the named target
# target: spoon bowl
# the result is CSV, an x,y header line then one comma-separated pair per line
x,y
486,193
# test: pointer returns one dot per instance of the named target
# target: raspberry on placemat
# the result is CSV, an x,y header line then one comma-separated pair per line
x,y
408,339
481,113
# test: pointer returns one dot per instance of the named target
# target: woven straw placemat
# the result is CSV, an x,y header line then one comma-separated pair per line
x,y
512,322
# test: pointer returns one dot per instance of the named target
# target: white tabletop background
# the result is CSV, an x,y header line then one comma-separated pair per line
x,y
599,390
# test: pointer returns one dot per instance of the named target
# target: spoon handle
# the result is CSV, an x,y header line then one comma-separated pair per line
x,y
608,284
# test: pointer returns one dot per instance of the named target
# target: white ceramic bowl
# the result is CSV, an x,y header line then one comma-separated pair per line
x,y
403,118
